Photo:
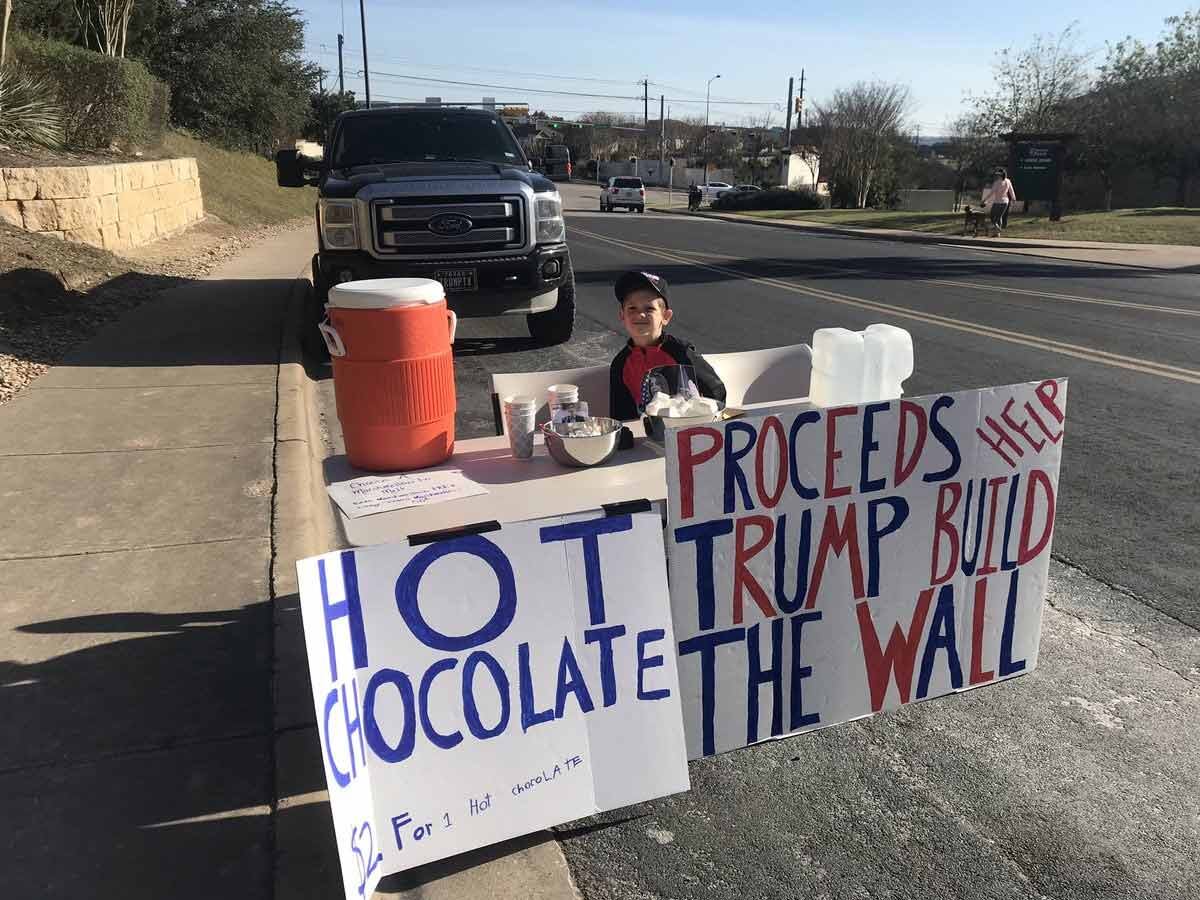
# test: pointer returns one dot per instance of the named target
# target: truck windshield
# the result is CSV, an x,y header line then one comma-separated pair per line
x,y
423,136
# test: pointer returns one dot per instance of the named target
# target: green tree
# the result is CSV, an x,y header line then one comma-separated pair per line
x,y
324,107
1154,97
235,68
53,19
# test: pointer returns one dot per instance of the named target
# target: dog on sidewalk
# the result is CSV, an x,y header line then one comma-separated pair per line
x,y
974,218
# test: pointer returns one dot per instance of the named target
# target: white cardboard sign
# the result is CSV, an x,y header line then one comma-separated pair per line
x,y
490,685
827,564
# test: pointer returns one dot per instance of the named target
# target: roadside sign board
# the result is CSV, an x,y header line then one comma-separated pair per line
x,y
490,685
827,564
1036,166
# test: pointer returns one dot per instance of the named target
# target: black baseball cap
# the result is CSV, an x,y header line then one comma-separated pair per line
x,y
636,279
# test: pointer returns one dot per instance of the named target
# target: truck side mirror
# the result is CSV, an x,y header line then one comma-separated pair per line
x,y
290,169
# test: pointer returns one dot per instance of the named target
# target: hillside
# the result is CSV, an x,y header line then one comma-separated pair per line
x,y
240,188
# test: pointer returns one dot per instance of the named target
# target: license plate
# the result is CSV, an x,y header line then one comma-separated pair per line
x,y
457,280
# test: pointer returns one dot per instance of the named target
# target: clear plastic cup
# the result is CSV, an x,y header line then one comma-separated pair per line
x,y
559,394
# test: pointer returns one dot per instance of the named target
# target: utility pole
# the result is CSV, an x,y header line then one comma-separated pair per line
x,y
341,68
362,14
787,141
671,173
801,98
662,134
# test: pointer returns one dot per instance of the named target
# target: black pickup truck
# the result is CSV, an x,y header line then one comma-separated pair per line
x,y
439,193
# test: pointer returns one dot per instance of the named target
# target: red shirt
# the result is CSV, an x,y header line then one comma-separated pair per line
x,y
641,360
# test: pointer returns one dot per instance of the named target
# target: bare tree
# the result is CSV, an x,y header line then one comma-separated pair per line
x,y
857,128
4,31
973,151
106,23
1035,85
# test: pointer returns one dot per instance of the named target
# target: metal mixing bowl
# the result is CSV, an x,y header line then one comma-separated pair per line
x,y
580,452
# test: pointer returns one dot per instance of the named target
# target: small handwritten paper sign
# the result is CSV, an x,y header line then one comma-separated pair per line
x,y
380,493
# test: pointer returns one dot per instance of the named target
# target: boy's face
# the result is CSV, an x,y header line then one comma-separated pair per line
x,y
644,315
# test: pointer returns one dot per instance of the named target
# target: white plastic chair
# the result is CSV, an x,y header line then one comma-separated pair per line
x,y
759,376
591,380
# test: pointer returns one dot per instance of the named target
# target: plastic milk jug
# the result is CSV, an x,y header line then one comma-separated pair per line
x,y
859,366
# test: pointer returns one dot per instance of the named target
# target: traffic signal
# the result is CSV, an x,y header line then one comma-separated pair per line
x,y
799,105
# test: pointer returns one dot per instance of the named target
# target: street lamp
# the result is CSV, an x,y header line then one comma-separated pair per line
x,y
707,89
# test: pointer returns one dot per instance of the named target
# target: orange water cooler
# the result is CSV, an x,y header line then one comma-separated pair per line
x,y
393,371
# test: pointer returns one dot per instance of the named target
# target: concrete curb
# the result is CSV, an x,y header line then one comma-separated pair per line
x,y
304,520
913,237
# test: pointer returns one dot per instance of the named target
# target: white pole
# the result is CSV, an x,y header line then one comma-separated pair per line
x,y
707,90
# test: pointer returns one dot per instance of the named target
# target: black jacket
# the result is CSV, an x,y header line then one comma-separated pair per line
x,y
624,407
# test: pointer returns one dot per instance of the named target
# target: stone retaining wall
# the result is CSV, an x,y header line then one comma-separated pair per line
x,y
115,207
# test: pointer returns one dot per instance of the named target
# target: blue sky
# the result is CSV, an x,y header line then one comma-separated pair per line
x,y
941,51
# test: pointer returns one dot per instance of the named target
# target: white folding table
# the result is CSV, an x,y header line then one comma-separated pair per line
x,y
520,489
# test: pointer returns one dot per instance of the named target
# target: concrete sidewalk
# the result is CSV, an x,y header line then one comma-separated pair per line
x,y
1163,257
138,480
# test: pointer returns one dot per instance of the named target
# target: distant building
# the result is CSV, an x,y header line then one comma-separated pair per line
x,y
802,169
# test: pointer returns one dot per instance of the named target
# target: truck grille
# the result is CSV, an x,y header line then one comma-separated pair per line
x,y
427,226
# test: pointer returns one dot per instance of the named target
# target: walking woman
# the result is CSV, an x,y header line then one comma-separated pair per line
x,y
1000,195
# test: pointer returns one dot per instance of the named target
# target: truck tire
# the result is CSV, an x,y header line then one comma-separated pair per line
x,y
556,325
313,314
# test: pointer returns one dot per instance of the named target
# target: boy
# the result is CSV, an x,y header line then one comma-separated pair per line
x,y
645,310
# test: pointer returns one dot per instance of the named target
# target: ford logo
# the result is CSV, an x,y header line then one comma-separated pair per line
x,y
450,224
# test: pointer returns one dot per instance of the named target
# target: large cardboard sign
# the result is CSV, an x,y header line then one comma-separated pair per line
x,y
490,685
827,564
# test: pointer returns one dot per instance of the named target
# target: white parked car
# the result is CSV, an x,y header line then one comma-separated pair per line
x,y
624,190
714,189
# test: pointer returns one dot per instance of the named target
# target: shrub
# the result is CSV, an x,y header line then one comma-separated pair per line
x,y
105,101
777,198
29,110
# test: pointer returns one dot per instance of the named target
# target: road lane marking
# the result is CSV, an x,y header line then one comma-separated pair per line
x,y
1077,351
970,285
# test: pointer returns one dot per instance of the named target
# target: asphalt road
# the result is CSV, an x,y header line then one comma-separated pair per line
x,y
1077,781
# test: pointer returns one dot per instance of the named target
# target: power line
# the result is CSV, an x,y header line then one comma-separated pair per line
x,y
529,90
550,91
423,65
502,87
699,96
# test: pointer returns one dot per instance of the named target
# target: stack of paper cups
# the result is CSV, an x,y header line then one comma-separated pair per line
x,y
519,416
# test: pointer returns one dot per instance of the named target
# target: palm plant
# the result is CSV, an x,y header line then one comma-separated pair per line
x,y
29,110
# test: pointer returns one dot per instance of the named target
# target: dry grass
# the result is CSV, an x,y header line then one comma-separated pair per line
x,y
240,188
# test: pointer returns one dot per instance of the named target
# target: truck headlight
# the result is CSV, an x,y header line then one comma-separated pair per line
x,y
339,228
551,229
